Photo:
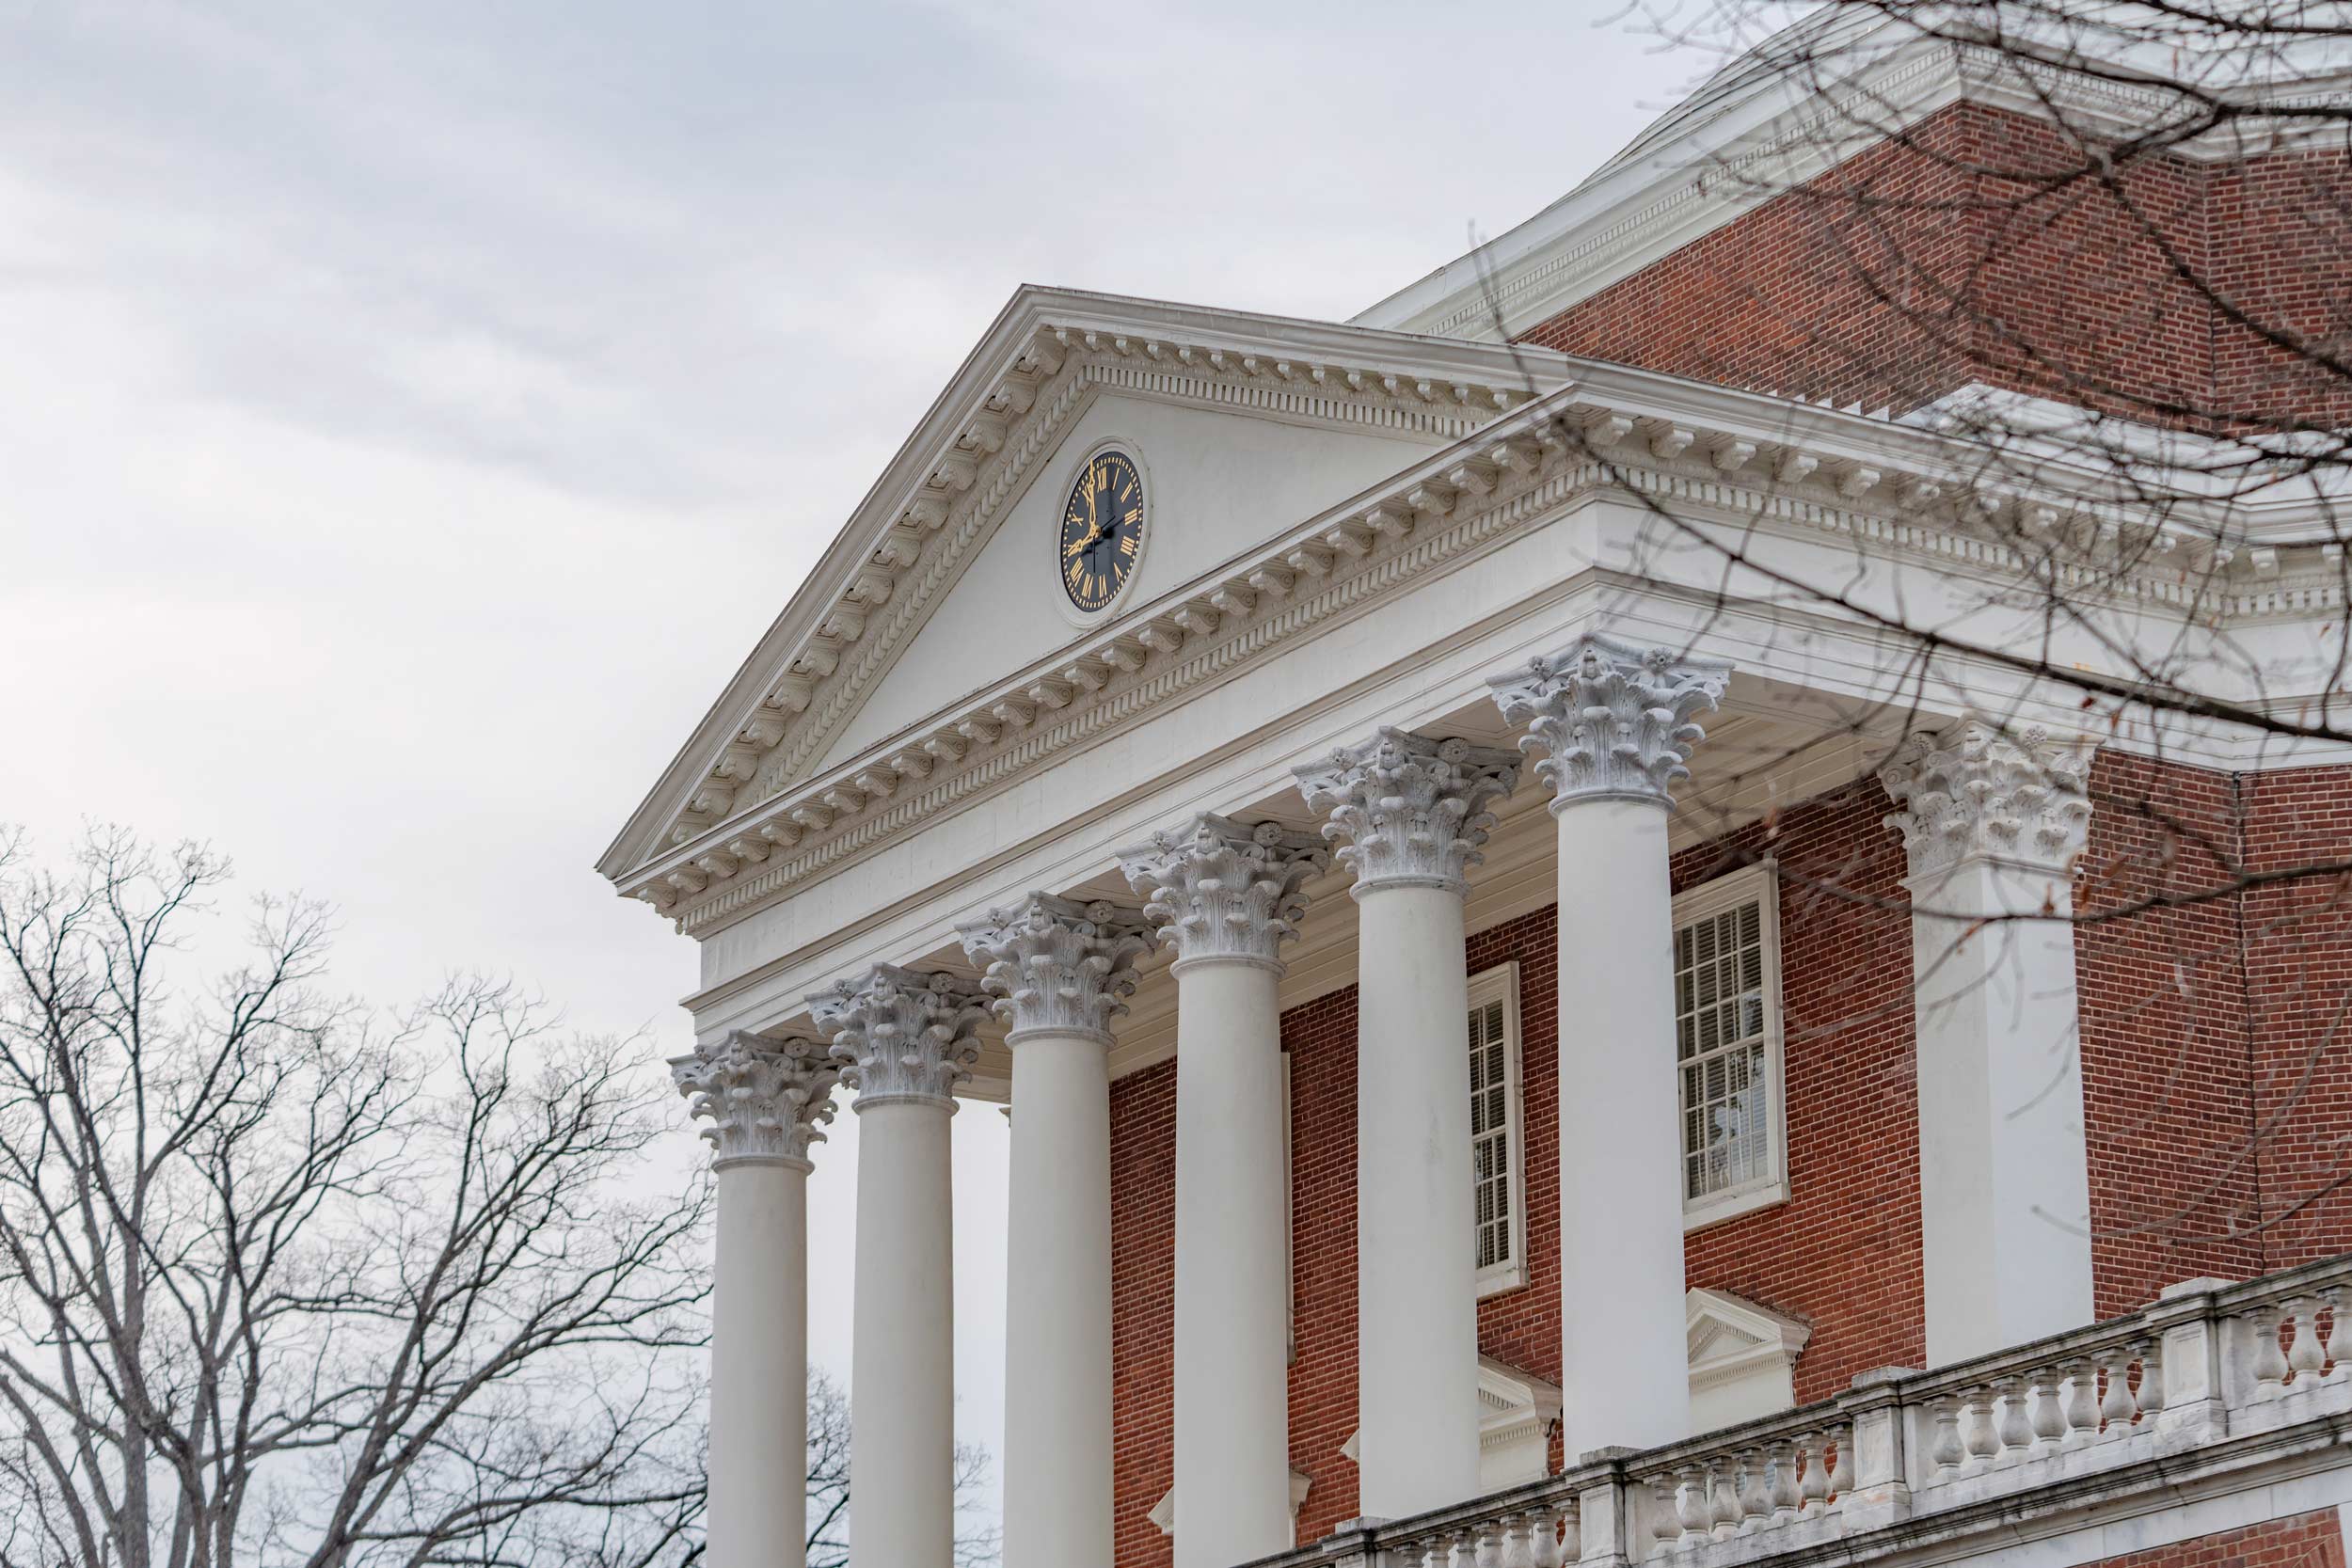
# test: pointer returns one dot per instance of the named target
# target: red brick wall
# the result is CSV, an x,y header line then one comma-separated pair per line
x,y
2314,1540
2165,1096
1143,1310
2298,937
1913,268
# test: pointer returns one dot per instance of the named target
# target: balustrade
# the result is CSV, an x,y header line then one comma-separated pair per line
x,y
2209,1360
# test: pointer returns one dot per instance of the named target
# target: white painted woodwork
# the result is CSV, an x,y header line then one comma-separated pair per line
x,y
1058,1319
758,1504
1994,822
1624,1363
1062,971
767,1101
1410,813
902,1370
1233,1307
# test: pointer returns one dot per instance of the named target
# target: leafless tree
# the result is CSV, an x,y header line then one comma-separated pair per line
x,y
283,1283
2113,272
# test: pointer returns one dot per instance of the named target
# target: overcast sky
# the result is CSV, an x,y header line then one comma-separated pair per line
x,y
410,414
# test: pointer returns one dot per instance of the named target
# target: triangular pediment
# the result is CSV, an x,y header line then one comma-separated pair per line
x,y
942,582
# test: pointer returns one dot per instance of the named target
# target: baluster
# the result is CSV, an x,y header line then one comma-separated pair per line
x,y
1566,1534
2339,1335
1755,1496
2270,1362
2082,1403
1694,1506
2012,1430
1979,1434
1535,1525
1841,1468
2306,1357
1723,1493
2151,1353
2049,1411
1786,1499
1489,1544
1813,1475
1947,1451
2115,1408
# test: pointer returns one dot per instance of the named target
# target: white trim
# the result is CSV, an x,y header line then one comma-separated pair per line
x,y
1087,620
1756,884
1502,982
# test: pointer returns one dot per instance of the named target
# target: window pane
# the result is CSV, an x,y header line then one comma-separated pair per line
x,y
1491,1154
1720,1039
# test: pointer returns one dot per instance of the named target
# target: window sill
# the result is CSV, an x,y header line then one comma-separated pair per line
x,y
1719,1207
1500,1280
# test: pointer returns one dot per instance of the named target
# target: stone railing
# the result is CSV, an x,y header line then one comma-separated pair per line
x,y
2229,1373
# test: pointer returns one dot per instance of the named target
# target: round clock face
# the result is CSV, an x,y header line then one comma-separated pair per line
x,y
1102,531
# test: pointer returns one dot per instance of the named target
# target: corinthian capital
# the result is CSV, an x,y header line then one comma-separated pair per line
x,y
1218,890
899,1035
1973,792
1413,809
1057,964
767,1100
1615,718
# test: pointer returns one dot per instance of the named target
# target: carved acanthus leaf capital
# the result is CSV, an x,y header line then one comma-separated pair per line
x,y
1057,964
1977,791
1615,719
767,1100
1218,890
1412,808
900,1035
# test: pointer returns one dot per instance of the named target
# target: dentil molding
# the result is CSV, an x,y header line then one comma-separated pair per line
x,y
767,1100
1220,891
1975,791
1615,719
900,1035
1057,965
1412,810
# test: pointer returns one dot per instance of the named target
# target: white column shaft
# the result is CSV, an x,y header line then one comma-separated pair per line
x,y
1416,1276
1057,1325
760,1369
1625,1360
2004,1174
1233,1376
902,1375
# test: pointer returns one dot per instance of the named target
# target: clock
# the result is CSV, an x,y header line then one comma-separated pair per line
x,y
1102,531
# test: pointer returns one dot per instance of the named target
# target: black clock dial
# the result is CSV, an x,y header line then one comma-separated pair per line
x,y
1102,531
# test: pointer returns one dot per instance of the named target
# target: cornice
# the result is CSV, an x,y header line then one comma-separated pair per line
x,y
1706,453
974,453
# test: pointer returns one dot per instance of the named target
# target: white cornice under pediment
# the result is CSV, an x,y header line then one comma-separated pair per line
x,y
1704,452
1046,356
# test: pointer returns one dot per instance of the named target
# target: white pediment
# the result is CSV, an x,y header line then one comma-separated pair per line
x,y
1742,1358
1246,424
1218,484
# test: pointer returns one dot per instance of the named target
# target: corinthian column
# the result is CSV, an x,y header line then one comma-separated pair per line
x,y
1614,721
1412,814
766,1100
1992,824
1228,897
903,1040
1062,970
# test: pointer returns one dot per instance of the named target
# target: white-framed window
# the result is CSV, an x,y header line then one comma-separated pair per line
x,y
1728,1046
1497,1143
